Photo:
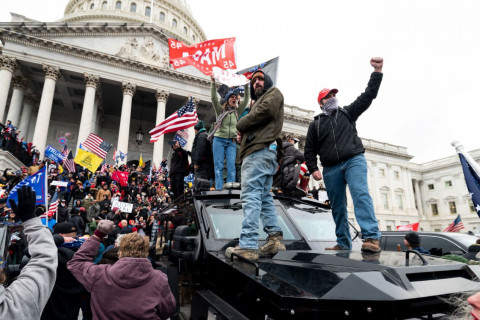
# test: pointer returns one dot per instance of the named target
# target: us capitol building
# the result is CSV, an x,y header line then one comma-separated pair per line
x,y
104,68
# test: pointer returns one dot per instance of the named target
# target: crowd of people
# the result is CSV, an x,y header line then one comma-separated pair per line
x,y
99,240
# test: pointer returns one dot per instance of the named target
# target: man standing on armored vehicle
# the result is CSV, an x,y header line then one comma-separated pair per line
x,y
333,136
259,135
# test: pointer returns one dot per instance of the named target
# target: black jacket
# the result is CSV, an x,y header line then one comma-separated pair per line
x,y
179,161
202,154
334,138
287,177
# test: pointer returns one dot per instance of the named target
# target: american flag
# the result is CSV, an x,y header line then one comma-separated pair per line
x,y
455,226
104,166
473,182
68,161
184,118
52,209
97,145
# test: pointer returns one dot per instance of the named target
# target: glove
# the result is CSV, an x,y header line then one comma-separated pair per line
x,y
104,227
27,199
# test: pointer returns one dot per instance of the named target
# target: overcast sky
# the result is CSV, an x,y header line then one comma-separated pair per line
x,y
431,48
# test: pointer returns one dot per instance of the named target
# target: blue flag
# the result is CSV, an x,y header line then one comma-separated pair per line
x,y
37,181
473,183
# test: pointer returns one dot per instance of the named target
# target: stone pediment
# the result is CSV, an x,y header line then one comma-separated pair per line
x,y
140,45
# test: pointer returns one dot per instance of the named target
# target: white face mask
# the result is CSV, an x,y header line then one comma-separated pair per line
x,y
330,106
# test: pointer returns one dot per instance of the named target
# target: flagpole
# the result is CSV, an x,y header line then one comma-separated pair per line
x,y
459,147
45,193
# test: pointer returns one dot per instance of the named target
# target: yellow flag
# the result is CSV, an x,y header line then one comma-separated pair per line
x,y
60,169
88,160
140,162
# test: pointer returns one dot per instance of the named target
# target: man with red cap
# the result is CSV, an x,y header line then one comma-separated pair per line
x,y
332,135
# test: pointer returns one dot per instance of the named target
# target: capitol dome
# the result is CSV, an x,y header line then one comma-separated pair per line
x,y
173,16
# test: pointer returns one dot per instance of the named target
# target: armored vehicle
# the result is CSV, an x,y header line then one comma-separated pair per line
x,y
305,281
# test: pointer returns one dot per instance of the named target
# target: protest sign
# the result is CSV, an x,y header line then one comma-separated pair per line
x,y
123,206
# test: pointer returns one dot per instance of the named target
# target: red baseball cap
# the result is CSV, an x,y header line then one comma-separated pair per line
x,y
322,94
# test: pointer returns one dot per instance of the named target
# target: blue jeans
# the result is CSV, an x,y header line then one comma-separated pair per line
x,y
223,147
354,173
257,177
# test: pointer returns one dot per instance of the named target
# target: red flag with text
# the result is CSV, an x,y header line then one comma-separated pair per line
x,y
204,55
409,227
121,177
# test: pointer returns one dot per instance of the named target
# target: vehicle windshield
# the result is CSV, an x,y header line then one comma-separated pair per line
x,y
316,226
227,222
316,223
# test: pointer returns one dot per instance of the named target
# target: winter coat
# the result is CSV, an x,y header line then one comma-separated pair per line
x,y
101,193
287,176
65,300
202,154
263,124
334,138
62,214
79,224
228,127
141,292
179,161
26,297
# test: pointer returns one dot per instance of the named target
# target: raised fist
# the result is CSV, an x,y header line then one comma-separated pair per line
x,y
377,63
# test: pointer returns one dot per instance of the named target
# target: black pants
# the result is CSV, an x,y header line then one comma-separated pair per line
x,y
177,181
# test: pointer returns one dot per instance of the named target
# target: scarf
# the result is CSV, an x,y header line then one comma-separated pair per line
x,y
219,122
330,106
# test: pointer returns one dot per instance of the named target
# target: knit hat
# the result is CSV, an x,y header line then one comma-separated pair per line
x,y
114,209
256,74
81,209
413,238
200,125
64,227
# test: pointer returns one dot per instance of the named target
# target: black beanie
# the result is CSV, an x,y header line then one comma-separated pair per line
x,y
413,238
200,125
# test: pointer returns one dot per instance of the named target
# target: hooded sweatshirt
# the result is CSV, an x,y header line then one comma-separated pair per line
x,y
129,289
26,297
263,124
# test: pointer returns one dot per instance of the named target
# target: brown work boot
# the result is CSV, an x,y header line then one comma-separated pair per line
x,y
251,254
336,247
371,245
273,244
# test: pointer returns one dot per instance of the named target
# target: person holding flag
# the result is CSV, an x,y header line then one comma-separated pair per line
x,y
225,132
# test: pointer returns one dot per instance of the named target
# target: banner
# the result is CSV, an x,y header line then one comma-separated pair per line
x,y
123,206
121,177
59,183
229,78
37,181
204,55
181,136
53,154
88,160
269,67
409,227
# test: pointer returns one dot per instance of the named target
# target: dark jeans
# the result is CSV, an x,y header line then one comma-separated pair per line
x,y
176,180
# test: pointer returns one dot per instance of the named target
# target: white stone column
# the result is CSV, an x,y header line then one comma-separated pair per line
x,y
91,82
372,183
418,199
95,114
124,131
19,87
28,102
7,67
162,97
45,109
